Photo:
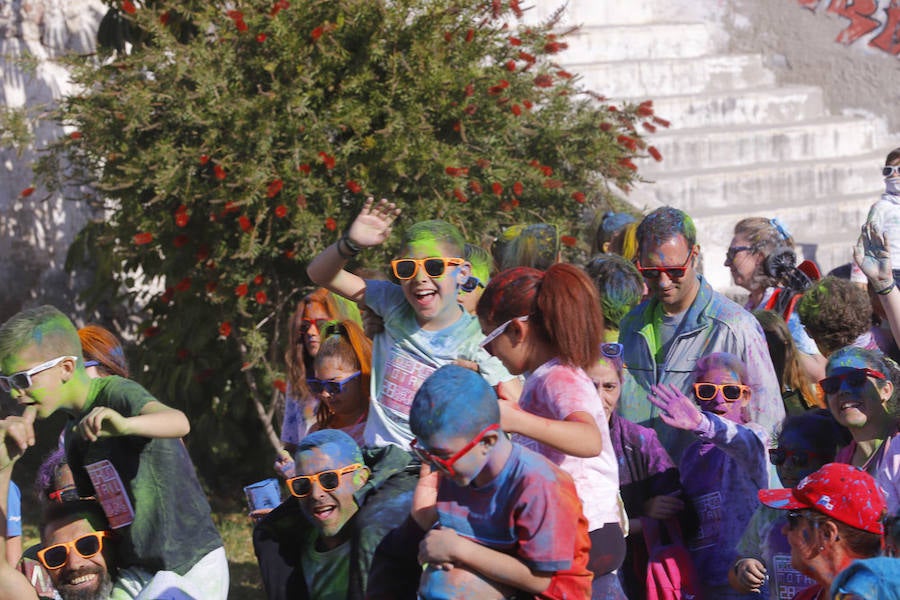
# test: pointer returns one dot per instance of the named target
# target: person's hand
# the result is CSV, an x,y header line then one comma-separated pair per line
x,y
372,323
373,224
509,415
439,548
873,255
675,409
467,364
284,464
663,507
750,573
510,390
102,422
16,436
424,502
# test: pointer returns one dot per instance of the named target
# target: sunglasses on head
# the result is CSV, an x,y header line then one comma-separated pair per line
x,y
730,391
611,349
890,170
471,284
672,272
55,556
317,386
302,485
21,381
855,378
796,458
407,268
446,464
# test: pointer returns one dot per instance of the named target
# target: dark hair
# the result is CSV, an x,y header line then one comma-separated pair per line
x,y
785,356
453,400
562,305
619,284
663,224
893,156
860,543
818,429
71,511
100,345
835,312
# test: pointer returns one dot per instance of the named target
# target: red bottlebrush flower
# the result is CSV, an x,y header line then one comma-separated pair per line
x,y
183,285
514,41
516,109
495,8
578,197
605,126
628,142
475,187
167,296
564,75
26,192
529,58
470,35
514,202
180,240
645,108
151,331
514,5
649,127
552,184
457,126
652,151
181,219
330,224
143,238
661,122
75,135
510,65
327,160
245,223
129,7
289,254
497,188
554,47
469,90
626,162
448,36
241,290
543,81
451,171
279,6
231,207
211,286
235,15
219,172
496,89
182,354
274,187
280,385
164,18
182,208
304,168
354,187
546,170
470,109
204,159
202,253
568,240
241,26
612,108
225,329
258,280
534,163
261,37
518,188
261,298
483,163
459,195
281,211
301,200
317,33
505,206
527,103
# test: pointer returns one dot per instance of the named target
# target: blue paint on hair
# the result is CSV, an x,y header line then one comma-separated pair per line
x,y
455,401
343,448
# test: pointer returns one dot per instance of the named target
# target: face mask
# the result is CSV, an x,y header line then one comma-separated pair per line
x,y
892,186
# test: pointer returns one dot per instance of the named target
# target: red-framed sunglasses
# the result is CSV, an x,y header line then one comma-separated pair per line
x,y
855,379
673,272
446,464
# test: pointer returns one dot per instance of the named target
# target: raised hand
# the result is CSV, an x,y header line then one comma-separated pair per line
x,y
873,255
16,436
373,224
675,409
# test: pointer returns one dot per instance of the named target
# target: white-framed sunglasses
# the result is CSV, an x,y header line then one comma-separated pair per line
x,y
890,170
499,331
21,381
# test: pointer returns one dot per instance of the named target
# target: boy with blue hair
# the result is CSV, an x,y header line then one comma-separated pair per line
x,y
424,325
495,517
118,428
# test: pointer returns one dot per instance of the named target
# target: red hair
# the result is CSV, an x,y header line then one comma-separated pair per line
x,y
99,344
562,305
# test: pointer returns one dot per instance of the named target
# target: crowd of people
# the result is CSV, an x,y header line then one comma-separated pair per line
x,y
496,423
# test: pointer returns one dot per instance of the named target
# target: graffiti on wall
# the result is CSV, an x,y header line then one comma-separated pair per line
x,y
867,18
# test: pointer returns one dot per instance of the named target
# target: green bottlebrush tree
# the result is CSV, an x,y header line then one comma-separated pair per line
x,y
227,143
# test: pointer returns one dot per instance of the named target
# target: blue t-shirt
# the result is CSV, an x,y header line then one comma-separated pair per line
x,y
14,511
404,355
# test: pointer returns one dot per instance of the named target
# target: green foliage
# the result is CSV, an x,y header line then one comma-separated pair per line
x,y
233,141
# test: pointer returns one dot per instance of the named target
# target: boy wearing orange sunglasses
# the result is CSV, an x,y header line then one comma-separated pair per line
x,y
424,325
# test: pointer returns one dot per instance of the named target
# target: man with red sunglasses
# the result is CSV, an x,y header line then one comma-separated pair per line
x,y
683,320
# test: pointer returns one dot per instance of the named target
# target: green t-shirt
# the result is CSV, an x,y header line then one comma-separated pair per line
x,y
327,574
172,527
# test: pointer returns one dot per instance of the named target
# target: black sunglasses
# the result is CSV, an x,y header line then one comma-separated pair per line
x,y
855,378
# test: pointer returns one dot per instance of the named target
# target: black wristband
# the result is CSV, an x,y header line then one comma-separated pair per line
x,y
886,290
337,247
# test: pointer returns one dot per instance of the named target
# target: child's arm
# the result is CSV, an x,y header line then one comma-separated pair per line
x,y
16,434
370,228
156,420
444,545
873,255
577,435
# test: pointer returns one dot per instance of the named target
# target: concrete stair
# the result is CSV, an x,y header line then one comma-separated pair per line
x,y
739,143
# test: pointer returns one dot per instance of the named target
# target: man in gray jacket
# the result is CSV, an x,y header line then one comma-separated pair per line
x,y
682,320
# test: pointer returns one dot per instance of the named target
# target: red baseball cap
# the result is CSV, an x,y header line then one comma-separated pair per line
x,y
843,492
